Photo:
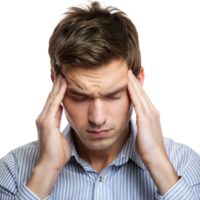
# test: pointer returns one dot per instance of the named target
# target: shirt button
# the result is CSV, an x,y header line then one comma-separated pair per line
x,y
100,179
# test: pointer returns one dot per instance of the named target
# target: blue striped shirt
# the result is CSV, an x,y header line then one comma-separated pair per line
x,y
125,178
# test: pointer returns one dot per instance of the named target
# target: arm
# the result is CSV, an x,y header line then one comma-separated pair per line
x,y
42,181
149,145
162,173
169,185
54,149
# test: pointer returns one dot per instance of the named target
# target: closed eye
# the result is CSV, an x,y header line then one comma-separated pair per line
x,y
82,99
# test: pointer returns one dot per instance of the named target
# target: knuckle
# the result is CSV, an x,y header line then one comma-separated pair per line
x,y
158,112
43,125
53,102
36,122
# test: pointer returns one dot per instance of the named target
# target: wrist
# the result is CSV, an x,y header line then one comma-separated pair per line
x,y
42,181
163,174
47,168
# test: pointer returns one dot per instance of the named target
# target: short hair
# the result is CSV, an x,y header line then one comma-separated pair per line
x,y
94,36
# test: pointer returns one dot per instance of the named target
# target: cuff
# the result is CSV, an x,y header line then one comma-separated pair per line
x,y
180,190
24,193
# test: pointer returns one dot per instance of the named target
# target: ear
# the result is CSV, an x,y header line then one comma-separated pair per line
x,y
141,76
52,75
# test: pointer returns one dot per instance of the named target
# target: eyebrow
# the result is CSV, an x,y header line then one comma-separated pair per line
x,y
73,91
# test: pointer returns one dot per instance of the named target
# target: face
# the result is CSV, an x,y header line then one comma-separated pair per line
x,y
90,105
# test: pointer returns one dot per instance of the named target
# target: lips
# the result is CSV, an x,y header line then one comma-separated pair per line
x,y
95,131
99,134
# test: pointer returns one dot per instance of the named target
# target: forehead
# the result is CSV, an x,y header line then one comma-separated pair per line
x,y
115,67
99,80
96,81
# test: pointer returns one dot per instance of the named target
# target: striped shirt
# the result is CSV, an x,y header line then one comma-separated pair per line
x,y
125,178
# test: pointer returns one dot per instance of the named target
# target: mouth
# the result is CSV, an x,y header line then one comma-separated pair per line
x,y
95,131
99,134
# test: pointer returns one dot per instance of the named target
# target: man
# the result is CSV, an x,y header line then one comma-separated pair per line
x,y
102,153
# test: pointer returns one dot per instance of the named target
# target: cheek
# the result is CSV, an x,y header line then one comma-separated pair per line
x,y
127,103
73,110
121,107
127,100
71,113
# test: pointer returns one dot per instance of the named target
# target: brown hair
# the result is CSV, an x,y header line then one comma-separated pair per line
x,y
94,36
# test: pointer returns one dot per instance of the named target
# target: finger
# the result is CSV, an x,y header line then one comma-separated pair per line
x,y
54,91
144,102
56,102
135,89
61,117
43,111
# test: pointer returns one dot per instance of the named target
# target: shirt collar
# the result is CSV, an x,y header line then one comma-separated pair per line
x,y
127,151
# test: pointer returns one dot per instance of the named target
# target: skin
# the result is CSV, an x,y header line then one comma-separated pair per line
x,y
98,112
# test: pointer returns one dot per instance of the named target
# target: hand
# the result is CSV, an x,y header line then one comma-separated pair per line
x,y
54,149
149,141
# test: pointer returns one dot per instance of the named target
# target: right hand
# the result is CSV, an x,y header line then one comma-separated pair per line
x,y
54,149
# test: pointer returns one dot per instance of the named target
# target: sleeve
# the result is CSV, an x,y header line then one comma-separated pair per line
x,y
8,183
188,186
24,193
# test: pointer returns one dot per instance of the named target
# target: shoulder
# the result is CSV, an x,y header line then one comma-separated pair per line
x,y
19,155
24,147
16,166
177,150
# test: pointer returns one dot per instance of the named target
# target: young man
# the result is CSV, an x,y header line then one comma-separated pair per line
x,y
102,153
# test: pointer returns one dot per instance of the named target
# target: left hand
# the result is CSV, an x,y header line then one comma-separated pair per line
x,y
149,143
